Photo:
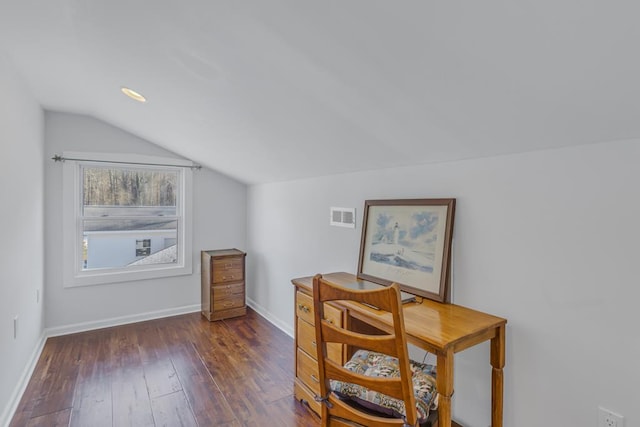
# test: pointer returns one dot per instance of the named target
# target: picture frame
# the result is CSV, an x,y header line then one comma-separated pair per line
x,y
408,242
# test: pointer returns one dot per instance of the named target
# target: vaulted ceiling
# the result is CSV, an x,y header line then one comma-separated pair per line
x,y
270,90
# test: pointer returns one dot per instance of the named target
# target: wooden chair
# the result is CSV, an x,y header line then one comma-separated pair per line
x,y
393,384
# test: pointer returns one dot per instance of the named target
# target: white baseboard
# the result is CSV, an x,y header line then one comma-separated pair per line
x,y
123,320
12,405
272,319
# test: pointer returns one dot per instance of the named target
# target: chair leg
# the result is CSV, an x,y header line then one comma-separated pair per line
x,y
432,420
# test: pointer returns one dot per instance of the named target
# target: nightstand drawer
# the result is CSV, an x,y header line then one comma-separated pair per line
x,y
229,275
226,303
229,269
224,291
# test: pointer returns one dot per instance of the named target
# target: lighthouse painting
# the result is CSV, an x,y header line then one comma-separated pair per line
x,y
407,243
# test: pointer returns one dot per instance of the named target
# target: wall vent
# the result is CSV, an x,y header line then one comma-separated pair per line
x,y
342,217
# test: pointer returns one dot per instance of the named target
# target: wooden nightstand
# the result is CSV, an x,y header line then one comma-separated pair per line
x,y
223,285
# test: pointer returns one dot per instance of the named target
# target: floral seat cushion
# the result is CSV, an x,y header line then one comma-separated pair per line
x,y
374,364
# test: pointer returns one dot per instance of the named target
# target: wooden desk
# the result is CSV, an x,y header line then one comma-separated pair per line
x,y
442,329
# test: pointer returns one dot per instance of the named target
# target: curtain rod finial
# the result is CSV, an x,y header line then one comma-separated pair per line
x,y
57,158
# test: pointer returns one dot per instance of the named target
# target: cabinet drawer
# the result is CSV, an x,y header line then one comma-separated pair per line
x,y
227,270
333,315
223,291
307,342
307,337
307,371
304,307
303,394
304,310
226,303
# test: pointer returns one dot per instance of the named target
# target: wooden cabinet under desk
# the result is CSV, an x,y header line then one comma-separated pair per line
x,y
223,284
306,385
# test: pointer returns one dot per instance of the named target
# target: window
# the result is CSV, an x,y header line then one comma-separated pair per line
x,y
143,247
125,221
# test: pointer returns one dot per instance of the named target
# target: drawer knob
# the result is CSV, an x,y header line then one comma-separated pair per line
x,y
227,277
303,308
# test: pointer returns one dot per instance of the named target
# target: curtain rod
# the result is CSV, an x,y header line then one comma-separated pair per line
x,y
59,158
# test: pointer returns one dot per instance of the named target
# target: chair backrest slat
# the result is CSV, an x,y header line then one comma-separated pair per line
x,y
380,343
389,386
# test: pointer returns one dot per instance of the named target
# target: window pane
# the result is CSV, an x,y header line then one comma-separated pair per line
x,y
118,243
122,191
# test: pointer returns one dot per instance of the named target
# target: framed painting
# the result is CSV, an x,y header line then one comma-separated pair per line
x,y
408,242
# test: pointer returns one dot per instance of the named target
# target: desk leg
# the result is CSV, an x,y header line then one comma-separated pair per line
x,y
497,380
444,380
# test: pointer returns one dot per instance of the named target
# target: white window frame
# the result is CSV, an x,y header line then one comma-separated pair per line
x,y
72,226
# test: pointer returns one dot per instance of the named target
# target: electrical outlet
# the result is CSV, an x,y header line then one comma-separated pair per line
x,y
606,418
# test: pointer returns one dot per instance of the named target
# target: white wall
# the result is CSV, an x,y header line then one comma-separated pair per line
x,y
547,239
219,214
21,228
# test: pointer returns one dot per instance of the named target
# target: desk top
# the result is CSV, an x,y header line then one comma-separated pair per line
x,y
435,326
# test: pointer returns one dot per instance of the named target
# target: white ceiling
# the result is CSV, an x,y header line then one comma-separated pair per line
x,y
270,90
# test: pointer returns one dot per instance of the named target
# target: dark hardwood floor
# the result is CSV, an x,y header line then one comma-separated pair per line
x,y
176,371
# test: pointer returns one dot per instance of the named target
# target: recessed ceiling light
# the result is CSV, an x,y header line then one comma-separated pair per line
x,y
133,94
